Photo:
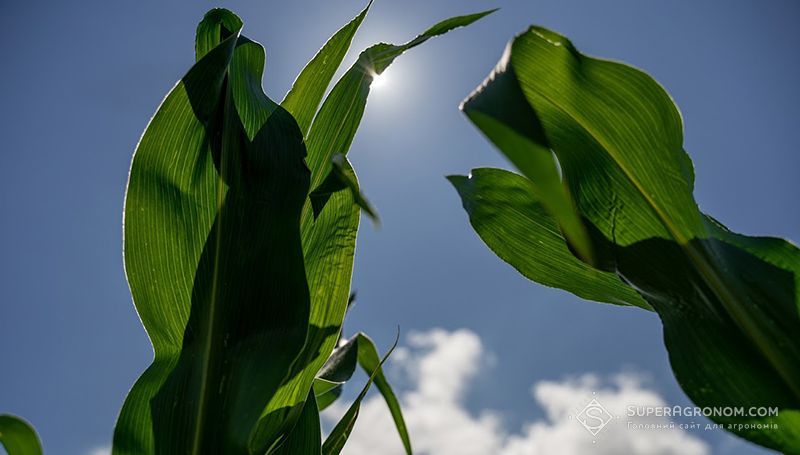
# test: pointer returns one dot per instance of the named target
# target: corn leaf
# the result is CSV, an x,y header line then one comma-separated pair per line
x,y
18,436
213,253
329,239
241,290
341,177
728,303
507,213
339,369
306,436
341,432
306,93
341,364
333,129
327,397
370,361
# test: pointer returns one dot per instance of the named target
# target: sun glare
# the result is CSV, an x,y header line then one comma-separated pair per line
x,y
379,80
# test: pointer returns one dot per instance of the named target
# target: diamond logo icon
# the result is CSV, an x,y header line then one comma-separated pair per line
x,y
594,417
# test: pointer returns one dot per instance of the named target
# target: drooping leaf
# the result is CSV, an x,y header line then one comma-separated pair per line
x,y
505,210
370,361
213,253
341,364
728,303
339,369
341,177
341,432
18,436
329,239
499,109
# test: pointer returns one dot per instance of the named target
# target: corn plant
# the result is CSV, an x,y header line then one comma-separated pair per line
x,y
604,208
18,436
240,226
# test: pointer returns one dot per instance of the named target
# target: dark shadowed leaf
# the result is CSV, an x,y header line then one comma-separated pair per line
x,y
240,288
341,364
213,253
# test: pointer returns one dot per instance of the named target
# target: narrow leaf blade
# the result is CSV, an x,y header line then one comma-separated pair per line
x,y
338,119
307,91
341,432
369,360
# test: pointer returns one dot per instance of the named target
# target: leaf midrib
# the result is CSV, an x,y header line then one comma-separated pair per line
x,y
731,303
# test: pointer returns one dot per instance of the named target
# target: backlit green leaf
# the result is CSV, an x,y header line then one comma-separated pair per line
x,y
213,253
370,362
336,440
241,290
303,99
329,239
728,303
341,177
339,368
306,436
18,437
505,210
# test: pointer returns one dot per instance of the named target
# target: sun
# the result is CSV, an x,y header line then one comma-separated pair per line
x,y
379,80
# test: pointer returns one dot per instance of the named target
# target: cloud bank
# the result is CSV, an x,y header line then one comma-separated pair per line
x,y
441,366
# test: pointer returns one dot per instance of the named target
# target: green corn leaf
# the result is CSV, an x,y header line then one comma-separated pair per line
x,y
515,130
241,290
213,253
323,386
341,432
339,369
329,239
18,436
341,364
341,177
326,398
728,303
505,209
335,124
307,91
370,361
306,436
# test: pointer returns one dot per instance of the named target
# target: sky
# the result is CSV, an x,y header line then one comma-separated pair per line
x,y
512,359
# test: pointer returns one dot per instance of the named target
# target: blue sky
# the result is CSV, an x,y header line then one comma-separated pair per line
x,y
80,80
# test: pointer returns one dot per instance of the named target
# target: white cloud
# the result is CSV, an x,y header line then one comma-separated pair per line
x,y
100,451
441,366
